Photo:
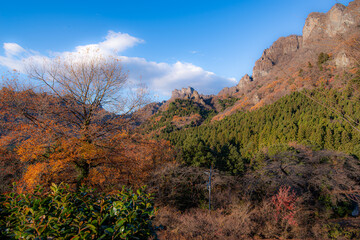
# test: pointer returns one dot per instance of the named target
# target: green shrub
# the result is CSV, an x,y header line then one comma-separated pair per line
x,y
336,231
323,58
62,214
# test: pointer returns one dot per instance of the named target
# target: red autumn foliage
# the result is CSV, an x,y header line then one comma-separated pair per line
x,y
285,205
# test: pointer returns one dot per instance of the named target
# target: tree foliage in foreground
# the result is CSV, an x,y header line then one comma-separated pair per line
x,y
60,130
62,214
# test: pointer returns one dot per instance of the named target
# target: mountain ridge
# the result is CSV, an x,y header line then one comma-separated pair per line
x,y
291,63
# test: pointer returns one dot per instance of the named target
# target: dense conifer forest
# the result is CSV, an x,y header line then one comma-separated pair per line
x,y
293,118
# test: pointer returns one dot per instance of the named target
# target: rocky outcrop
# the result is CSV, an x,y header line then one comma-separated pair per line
x,y
185,93
342,60
191,94
244,81
292,63
322,32
282,51
336,22
228,91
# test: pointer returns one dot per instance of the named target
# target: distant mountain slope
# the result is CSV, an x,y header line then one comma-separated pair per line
x,y
329,46
325,56
292,119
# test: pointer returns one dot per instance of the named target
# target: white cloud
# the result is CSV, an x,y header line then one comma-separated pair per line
x,y
14,54
118,42
164,77
114,43
13,49
161,78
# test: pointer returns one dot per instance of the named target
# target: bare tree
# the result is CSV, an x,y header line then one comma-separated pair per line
x,y
67,109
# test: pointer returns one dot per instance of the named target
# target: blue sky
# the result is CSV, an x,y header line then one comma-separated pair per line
x,y
168,44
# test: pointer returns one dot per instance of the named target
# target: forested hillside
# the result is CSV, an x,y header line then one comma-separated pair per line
x,y
308,141
294,118
275,157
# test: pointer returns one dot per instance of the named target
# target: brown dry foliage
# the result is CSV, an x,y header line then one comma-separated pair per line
x,y
243,207
185,187
200,224
241,221
61,131
11,169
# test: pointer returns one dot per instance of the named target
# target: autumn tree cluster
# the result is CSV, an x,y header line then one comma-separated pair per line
x,y
74,123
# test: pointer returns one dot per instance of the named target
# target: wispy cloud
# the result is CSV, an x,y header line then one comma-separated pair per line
x,y
114,43
13,49
160,77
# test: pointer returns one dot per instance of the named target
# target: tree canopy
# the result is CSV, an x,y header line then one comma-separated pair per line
x,y
62,125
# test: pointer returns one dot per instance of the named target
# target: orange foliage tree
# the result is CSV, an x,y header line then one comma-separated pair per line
x,y
63,130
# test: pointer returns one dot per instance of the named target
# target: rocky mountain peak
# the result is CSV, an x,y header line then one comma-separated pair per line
x,y
338,20
322,32
244,81
281,51
185,93
292,62
189,93
230,92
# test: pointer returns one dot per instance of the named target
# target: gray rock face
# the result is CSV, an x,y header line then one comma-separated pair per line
x,y
281,51
342,60
336,33
255,99
228,91
322,32
339,20
187,93
244,81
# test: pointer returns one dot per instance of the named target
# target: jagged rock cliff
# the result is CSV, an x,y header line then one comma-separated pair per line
x,y
291,63
190,93
281,52
322,32
339,20
185,93
244,82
